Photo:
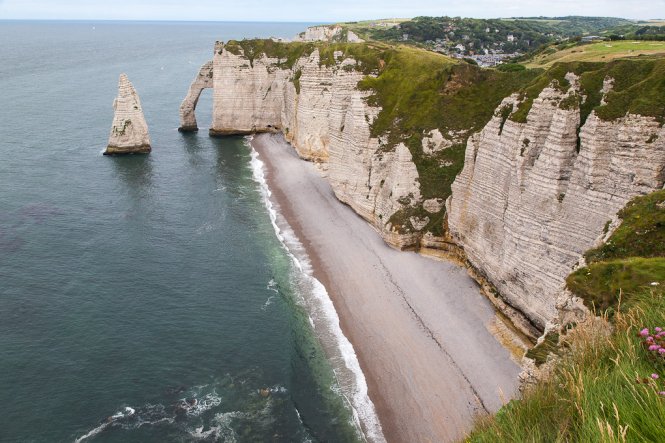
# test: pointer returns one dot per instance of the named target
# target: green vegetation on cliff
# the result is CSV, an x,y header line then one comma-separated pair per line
x,y
419,91
638,88
368,57
606,385
631,260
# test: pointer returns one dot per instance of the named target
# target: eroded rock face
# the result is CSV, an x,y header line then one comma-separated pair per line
x,y
129,133
326,33
325,117
203,80
527,204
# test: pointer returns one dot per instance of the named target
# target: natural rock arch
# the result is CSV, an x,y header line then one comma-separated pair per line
x,y
203,80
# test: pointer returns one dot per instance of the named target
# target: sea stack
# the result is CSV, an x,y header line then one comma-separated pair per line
x,y
129,133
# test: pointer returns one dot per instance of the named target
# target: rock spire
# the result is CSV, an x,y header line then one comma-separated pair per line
x,y
129,133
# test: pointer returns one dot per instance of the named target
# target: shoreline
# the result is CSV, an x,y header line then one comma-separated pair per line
x,y
419,327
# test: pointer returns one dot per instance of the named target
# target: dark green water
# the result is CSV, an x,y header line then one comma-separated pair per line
x,y
131,284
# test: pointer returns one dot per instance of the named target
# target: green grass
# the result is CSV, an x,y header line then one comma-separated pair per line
x,y
620,46
602,285
368,56
631,259
639,88
592,387
641,233
591,394
541,351
420,91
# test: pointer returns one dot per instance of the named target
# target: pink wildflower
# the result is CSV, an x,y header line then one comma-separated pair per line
x,y
649,338
644,332
654,347
661,351
654,376
662,392
658,329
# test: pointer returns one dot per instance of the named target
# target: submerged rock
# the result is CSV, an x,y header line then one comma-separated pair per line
x,y
129,133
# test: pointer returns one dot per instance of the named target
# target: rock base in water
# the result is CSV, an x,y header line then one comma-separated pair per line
x,y
111,150
129,132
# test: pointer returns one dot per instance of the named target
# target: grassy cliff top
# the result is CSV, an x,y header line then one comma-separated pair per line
x,y
368,56
596,52
638,88
631,260
603,378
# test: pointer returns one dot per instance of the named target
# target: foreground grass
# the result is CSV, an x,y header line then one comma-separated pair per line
x,y
591,395
601,388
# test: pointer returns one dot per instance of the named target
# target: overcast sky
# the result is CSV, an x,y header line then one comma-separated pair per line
x,y
319,11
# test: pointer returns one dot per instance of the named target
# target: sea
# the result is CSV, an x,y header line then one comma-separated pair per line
x,y
151,298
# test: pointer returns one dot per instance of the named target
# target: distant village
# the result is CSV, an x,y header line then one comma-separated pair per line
x,y
458,45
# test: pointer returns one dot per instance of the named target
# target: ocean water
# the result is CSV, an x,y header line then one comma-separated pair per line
x,y
148,298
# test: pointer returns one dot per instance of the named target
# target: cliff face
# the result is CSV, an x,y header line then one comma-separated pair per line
x,y
527,204
540,182
327,119
203,80
327,33
129,132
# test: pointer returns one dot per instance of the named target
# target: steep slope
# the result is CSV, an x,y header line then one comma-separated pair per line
x,y
536,193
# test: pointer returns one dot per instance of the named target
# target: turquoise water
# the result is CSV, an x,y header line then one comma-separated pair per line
x,y
132,286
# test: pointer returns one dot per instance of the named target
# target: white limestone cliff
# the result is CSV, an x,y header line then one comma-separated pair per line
x,y
527,205
129,132
203,80
325,33
324,116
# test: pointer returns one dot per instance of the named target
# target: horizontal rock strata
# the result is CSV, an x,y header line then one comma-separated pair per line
x,y
531,199
129,133
325,117
203,80
527,204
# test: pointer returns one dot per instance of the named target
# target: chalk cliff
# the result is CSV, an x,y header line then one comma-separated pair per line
x,y
527,204
330,33
203,80
129,133
535,192
325,116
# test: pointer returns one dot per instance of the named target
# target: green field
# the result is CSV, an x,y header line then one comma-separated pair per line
x,y
624,46
598,52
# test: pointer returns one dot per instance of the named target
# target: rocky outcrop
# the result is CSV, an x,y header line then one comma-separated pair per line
x,y
527,204
129,133
203,80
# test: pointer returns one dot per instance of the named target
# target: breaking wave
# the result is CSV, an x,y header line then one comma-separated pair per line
x,y
322,314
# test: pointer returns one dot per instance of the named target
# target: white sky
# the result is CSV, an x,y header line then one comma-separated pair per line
x,y
319,11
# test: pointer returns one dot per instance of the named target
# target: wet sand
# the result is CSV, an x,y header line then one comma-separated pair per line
x,y
418,326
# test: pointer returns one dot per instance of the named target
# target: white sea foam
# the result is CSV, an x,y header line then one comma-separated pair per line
x,y
92,433
322,314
